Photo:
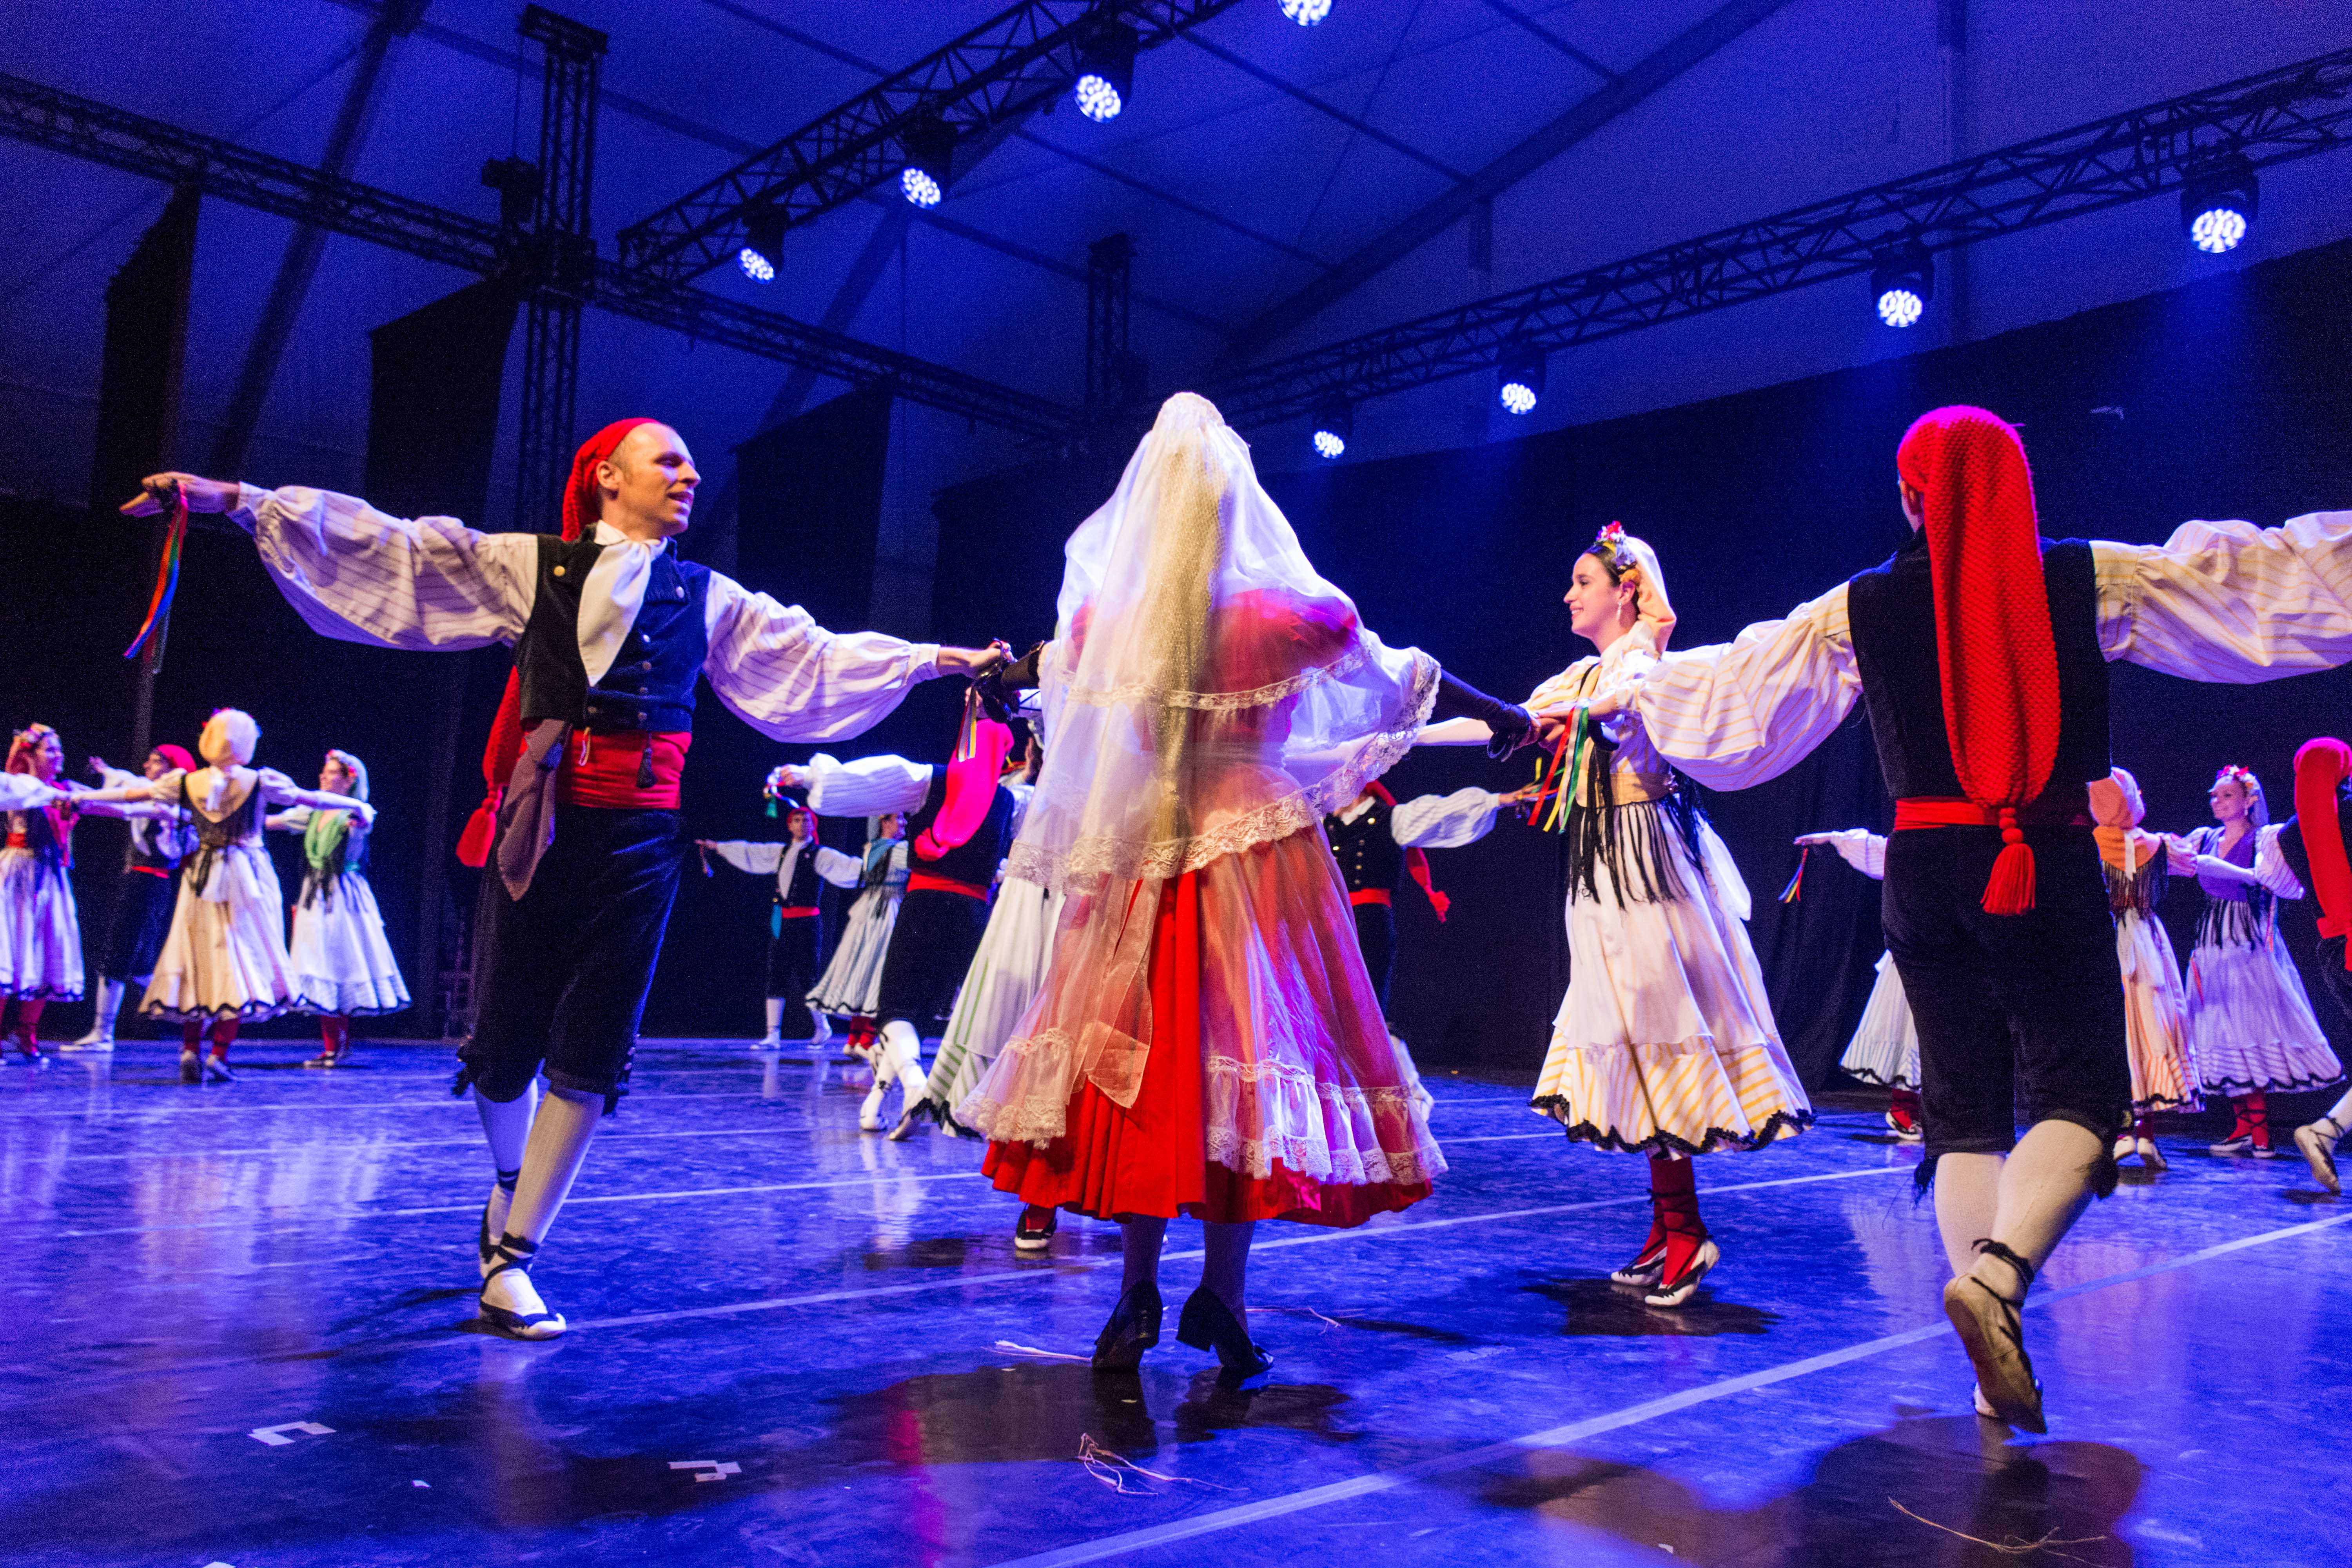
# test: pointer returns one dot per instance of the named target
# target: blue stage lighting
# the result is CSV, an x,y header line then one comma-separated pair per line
x,y
1902,284
2218,205
1105,72
764,244
930,162
1306,13
1519,379
1335,422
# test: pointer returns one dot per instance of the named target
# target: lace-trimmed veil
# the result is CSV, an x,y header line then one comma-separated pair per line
x,y
1208,691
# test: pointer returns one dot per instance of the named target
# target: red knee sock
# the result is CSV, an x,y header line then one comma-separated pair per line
x,y
28,1021
2254,1116
223,1036
334,1033
1904,1103
2144,1127
1674,1205
191,1034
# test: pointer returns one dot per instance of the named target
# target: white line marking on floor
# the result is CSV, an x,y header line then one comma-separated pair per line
x,y
1134,1540
275,1435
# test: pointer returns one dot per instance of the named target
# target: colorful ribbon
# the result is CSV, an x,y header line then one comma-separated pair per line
x,y
1795,891
167,581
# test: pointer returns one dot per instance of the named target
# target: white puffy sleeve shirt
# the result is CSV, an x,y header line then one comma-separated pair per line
x,y
355,573
2223,602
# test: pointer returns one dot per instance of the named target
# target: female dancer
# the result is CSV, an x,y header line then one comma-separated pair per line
x,y
1664,1044
40,932
1884,1049
161,836
851,986
2155,1017
801,865
1206,1042
344,968
225,958
2250,1019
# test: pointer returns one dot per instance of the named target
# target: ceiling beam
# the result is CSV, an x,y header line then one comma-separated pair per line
x,y
1360,126
2279,115
1278,320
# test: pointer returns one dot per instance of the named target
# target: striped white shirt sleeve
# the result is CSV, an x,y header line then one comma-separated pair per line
x,y
791,680
2230,602
1444,821
356,574
866,786
1740,712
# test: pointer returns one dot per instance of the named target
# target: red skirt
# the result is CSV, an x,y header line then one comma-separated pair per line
x,y
1151,1158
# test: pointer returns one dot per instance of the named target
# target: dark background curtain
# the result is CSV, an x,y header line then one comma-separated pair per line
x,y
2223,399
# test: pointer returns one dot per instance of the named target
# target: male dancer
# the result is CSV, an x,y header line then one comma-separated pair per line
x,y
960,819
2313,847
796,932
609,630
1981,649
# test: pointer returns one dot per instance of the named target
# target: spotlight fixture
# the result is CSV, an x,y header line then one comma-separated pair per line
x,y
1305,13
1902,283
1520,379
930,162
764,244
1105,72
1335,422
2218,205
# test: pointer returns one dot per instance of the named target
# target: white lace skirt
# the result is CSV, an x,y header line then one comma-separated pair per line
x,y
1884,1049
40,930
226,954
852,984
1665,1039
2156,1018
1005,975
343,965
2250,1021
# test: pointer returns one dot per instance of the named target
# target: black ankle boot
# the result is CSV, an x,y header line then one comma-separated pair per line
x,y
1207,1323
1133,1327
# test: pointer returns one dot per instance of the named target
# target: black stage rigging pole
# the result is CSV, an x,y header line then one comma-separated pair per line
x,y
559,260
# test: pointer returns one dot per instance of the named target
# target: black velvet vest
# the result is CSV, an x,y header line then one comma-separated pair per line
x,y
1369,855
1892,608
807,887
976,858
651,684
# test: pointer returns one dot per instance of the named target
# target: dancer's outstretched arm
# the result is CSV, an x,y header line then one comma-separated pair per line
x,y
2230,602
863,786
1449,821
1858,846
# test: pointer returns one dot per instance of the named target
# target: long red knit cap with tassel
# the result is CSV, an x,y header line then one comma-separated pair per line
x,y
583,505
2320,770
1993,641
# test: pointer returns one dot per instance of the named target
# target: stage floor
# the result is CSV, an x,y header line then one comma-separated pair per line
x,y
237,1330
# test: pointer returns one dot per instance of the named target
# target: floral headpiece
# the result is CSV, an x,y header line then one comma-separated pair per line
x,y
2231,772
24,743
1611,549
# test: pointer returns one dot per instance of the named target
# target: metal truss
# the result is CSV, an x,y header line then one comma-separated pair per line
x,y
1009,65
103,134
563,251
2283,114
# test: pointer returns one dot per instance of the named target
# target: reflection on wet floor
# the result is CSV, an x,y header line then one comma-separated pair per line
x,y
800,1343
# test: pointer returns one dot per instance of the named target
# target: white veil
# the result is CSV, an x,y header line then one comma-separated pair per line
x,y
1207,692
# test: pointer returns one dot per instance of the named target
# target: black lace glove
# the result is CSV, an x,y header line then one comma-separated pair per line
x,y
999,688
1513,725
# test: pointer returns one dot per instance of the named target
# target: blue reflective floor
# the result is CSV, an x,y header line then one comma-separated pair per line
x,y
237,1329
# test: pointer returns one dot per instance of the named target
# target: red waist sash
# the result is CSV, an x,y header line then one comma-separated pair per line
x,y
1952,811
798,912
1372,896
626,769
930,882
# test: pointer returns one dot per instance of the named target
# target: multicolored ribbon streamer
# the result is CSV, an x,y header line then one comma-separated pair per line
x,y
1795,891
167,580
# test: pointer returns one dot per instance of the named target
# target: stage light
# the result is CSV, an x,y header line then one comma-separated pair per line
x,y
930,162
1305,13
1105,72
764,244
1335,422
1520,379
2218,205
1902,284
